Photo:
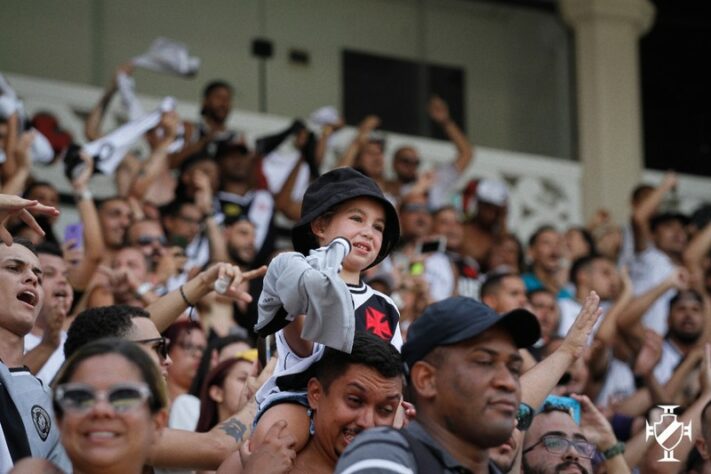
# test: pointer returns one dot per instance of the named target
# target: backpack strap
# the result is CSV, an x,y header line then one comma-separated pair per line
x,y
427,462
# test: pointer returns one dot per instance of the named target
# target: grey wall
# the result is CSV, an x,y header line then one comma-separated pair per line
x,y
516,61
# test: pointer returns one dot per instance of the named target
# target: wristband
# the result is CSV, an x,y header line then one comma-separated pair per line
x,y
84,195
639,381
617,448
185,298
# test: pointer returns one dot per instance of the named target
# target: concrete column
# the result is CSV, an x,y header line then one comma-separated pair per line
x,y
607,33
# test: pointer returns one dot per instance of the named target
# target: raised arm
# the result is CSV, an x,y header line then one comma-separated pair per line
x,y
349,156
92,126
692,415
8,168
94,249
157,162
169,307
632,314
283,200
644,210
439,112
537,383
204,202
22,164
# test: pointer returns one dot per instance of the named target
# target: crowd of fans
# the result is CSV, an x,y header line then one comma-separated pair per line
x,y
238,307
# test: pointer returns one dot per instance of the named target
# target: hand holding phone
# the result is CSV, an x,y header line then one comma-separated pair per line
x,y
438,244
75,232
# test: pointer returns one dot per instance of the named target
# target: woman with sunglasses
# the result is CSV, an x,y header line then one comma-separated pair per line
x,y
110,407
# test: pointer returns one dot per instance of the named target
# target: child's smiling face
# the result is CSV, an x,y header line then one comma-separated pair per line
x,y
362,222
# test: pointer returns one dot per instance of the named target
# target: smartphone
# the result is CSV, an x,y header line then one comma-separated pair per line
x,y
433,245
75,232
570,405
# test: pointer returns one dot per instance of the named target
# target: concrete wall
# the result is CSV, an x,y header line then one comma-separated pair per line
x,y
516,61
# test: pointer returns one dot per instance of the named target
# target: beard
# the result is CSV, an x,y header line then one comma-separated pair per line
x,y
685,337
528,469
237,258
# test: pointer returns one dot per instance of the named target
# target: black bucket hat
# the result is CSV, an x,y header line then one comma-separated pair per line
x,y
333,188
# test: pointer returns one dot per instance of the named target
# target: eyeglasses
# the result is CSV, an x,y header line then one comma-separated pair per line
x,y
555,444
148,240
159,344
76,397
191,348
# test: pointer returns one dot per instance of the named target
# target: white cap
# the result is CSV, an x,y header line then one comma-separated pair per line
x,y
493,192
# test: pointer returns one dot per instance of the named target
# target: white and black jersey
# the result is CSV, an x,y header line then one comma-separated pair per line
x,y
374,312
27,421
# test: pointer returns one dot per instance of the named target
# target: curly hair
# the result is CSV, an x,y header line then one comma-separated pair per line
x,y
97,323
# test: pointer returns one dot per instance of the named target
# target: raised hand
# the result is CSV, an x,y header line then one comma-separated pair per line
x,y
80,183
594,424
649,355
438,109
369,123
577,338
11,206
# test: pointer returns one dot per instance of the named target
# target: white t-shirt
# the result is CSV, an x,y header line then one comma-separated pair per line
x,y
55,361
439,276
671,357
619,383
569,310
647,270
184,412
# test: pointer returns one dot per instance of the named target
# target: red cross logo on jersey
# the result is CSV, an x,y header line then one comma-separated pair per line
x,y
377,323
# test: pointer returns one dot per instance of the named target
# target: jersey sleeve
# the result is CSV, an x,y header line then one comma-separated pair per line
x,y
377,451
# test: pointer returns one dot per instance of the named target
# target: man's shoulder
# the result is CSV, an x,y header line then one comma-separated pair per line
x,y
377,450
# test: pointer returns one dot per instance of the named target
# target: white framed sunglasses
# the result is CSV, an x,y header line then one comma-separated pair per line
x,y
123,397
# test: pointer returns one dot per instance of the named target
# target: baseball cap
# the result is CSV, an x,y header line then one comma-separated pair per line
x,y
459,318
493,192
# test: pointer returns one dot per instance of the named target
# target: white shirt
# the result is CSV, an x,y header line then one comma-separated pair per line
x,y
184,412
647,270
619,383
671,357
569,310
55,361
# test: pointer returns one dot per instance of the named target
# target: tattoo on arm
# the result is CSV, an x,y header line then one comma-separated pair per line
x,y
234,428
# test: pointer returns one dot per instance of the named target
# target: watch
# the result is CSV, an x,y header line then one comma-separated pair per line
x,y
617,448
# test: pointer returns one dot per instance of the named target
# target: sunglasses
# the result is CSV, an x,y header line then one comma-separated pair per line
x,y
148,240
524,416
77,398
159,344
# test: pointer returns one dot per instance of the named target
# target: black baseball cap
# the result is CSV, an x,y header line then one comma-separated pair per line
x,y
333,188
459,318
